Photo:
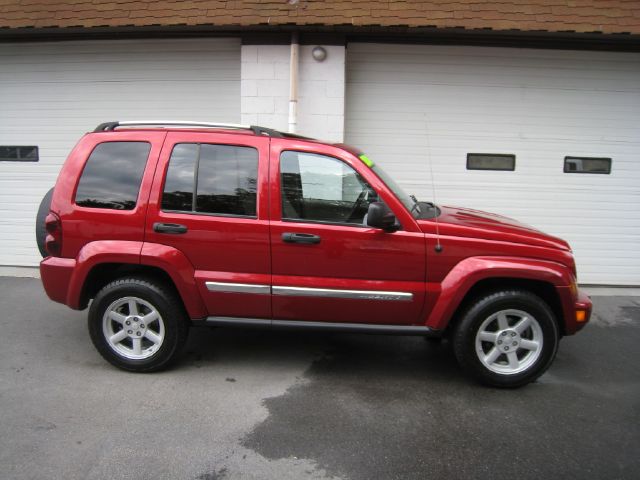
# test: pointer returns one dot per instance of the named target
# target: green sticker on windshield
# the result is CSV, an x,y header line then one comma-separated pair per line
x,y
366,160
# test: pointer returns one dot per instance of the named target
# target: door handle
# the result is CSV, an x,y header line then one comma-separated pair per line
x,y
169,228
300,238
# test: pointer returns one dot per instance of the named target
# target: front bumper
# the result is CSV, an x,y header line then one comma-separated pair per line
x,y
578,312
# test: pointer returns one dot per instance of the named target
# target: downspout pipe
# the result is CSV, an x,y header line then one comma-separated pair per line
x,y
293,83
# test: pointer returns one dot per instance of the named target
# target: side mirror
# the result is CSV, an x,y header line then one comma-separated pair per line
x,y
381,216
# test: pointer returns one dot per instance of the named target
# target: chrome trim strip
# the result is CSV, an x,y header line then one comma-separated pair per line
x,y
238,287
335,293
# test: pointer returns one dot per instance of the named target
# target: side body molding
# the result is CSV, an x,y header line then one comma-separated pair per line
x,y
444,298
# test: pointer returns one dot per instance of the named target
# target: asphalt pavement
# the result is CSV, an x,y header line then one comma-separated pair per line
x,y
251,404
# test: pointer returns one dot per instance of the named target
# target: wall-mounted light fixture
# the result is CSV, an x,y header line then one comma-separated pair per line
x,y
319,54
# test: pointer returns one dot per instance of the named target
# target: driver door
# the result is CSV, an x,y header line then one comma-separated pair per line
x,y
327,264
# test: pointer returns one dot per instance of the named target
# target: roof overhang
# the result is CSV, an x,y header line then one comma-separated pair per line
x,y
339,35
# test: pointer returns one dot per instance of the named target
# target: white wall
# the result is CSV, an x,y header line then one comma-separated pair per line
x,y
415,106
52,93
265,90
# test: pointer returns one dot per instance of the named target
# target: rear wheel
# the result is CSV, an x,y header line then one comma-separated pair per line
x,y
137,324
506,339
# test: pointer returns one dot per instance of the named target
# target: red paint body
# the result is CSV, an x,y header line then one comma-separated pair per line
x,y
476,246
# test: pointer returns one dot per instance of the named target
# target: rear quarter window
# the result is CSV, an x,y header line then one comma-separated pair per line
x,y
112,175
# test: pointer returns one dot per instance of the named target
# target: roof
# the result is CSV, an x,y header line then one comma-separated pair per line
x,y
582,16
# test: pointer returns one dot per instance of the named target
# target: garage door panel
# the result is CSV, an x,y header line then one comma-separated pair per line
x,y
436,95
408,105
147,73
456,115
496,56
95,98
52,93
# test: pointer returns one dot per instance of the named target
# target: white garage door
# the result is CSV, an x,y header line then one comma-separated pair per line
x,y
407,104
52,93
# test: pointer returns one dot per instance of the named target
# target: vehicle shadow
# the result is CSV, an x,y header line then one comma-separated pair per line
x,y
378,357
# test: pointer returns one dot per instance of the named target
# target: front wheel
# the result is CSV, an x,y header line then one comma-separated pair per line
x,y
506,339
137,324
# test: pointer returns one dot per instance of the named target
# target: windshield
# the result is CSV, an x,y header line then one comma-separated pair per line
x,y
407,200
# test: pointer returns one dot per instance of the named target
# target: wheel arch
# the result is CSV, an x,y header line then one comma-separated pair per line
x,y
104,273
545,290
477,275
100,262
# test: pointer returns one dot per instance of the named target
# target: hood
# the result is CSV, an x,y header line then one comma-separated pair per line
x,y
465,222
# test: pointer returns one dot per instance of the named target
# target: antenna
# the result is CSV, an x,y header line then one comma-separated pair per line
x,y
438,247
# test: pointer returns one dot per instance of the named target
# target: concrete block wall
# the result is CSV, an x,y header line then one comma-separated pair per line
x,y
264,85
264,90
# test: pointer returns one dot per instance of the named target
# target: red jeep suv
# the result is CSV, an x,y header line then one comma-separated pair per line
x,y
160,226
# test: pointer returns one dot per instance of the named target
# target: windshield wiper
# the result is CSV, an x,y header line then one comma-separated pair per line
x,y
415,206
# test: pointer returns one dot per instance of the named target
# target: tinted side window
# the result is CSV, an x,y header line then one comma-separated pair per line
x,y
112,175
224,178
323,189
178,187
227,180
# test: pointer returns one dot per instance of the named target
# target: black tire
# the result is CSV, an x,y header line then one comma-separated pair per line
x,y
172,317
41,231
532,363
434,340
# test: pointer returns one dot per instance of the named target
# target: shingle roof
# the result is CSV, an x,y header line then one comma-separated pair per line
x,y
612,16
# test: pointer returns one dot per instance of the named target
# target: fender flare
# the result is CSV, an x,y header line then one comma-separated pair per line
x,y
168,259
96,253
179,268
444,298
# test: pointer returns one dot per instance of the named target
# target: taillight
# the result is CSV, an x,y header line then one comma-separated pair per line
x,y
53,240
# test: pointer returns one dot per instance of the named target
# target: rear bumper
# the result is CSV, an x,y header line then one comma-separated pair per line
x,y
56,278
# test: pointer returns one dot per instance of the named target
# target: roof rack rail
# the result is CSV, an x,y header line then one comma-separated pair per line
x,y
110,126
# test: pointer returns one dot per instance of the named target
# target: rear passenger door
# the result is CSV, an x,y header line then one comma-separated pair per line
x,y
209,201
